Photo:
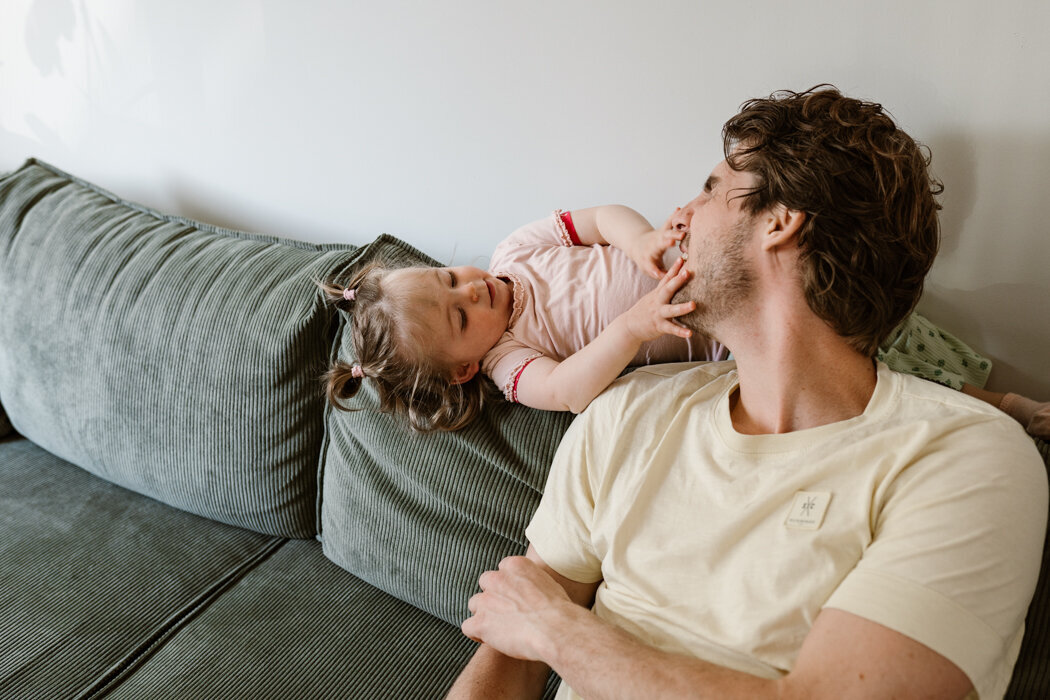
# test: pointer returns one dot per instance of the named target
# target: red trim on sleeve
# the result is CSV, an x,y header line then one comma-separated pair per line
x,y
566,218
514,388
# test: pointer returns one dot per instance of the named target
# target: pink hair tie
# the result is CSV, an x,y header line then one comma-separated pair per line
x,y
349,294
357,372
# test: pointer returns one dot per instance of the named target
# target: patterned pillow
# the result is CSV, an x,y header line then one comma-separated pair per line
x,y
173,358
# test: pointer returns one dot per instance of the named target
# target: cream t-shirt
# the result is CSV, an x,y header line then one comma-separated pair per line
x,y
564,296
925,514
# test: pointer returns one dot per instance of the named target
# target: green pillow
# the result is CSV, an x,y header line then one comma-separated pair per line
x,y
170,357
5,424
422,516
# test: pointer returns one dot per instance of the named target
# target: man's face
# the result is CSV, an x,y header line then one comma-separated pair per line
x,y
719,234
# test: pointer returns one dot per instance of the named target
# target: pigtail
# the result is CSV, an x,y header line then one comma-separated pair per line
x,y
337,295
341,383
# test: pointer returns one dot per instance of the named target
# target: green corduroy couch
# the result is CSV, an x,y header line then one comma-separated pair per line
x,y
180,514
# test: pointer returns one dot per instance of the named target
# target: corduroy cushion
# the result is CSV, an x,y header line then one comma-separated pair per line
x,y
1031,677
93,576
422,516
173,358
298,626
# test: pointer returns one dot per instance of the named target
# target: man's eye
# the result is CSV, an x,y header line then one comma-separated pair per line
x,y
451,278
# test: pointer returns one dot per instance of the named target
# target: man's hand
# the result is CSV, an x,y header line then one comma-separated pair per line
x,y
520,606
492,674
651,315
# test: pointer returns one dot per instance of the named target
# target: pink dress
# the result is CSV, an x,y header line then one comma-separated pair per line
x,y
565,293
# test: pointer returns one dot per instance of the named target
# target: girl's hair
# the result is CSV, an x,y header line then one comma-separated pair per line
x,y
392,353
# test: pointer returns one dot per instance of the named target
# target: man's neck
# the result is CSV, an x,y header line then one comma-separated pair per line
x,y
797,376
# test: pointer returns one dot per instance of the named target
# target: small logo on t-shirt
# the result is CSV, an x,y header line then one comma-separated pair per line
x,y
808,509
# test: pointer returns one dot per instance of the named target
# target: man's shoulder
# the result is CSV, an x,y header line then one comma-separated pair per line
x,y
967,429
922,398
672,377
662,387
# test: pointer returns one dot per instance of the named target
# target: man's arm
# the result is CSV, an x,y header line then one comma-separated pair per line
x,y
626,229
492,674
843,656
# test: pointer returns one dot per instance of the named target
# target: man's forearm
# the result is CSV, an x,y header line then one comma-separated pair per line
x,y
490,674
599,661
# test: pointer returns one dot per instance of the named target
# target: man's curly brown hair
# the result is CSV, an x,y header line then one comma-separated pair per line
x,y
871,231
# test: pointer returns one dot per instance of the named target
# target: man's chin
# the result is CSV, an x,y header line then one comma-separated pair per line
x,y
684,295
696,320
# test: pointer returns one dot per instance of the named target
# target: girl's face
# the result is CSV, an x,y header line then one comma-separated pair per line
x,y
464,311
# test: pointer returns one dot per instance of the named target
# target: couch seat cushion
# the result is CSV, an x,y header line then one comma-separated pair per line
x,y
298,626
94,574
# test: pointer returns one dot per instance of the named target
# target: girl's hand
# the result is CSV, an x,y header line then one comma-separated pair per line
x,y
647,249
651,316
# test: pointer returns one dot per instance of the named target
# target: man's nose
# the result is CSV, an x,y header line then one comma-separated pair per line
x,y
680,220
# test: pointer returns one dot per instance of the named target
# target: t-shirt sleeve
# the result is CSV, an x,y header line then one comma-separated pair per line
x,y
560,530
556,230
956,550
505,362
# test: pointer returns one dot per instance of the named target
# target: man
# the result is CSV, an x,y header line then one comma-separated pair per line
x,y
804,523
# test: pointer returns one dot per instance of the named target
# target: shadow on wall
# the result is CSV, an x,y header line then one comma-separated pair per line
x,y
231,210
49,22
991,282
994,216
954,164
1008,323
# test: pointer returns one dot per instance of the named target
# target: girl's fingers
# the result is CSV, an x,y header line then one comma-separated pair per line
x,y
676,277
675,268
672,328
675,310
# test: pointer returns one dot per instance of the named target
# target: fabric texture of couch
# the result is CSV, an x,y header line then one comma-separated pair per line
x,y
180,513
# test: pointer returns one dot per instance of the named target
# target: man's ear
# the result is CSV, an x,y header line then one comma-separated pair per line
x,y
783,226
465,372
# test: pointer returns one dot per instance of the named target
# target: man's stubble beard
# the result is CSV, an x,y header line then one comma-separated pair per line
x,y
721,281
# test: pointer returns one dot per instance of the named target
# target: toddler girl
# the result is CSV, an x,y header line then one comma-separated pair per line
x,y
570,301
565,308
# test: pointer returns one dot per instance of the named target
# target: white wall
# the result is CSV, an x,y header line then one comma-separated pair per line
x,y
449,124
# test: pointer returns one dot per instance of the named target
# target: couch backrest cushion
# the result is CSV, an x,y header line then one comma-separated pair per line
x,y
174,358
1031,676
421,516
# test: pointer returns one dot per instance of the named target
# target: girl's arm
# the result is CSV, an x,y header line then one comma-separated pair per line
x,y
570,385
626,229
